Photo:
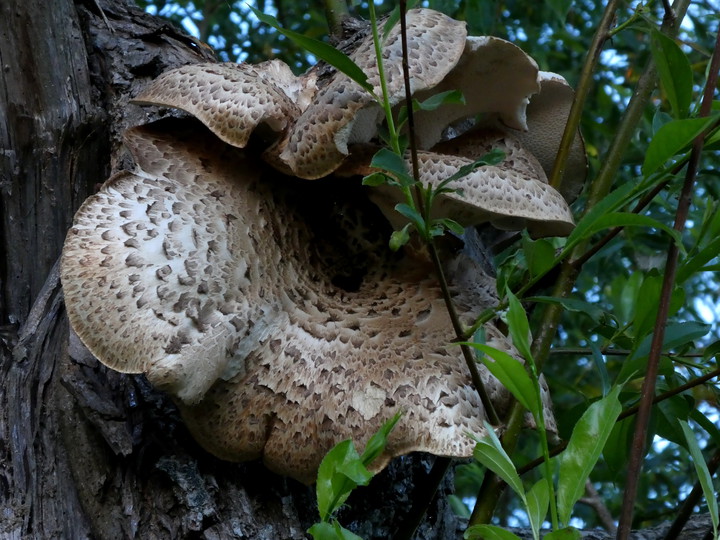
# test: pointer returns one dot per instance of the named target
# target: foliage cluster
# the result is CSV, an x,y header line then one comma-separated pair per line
x,y
632,292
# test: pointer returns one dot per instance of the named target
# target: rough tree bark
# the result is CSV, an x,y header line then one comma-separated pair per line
x,y
86,452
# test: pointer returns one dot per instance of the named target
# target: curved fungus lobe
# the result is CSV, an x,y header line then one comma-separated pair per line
x,y
497,80
216,285
547,115
232,100
343,113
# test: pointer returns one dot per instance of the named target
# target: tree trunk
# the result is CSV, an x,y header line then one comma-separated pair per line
x,y
86,452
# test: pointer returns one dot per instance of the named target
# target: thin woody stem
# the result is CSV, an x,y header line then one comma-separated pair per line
x,y
648,389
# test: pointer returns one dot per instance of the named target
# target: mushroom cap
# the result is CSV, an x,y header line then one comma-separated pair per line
x,y
495,76
512,195
343,113
547,115
148,270
210,280
232,99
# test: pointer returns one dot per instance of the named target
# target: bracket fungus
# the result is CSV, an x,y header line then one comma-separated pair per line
x,y
271,308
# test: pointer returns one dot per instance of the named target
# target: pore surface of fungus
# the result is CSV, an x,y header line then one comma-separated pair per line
x,y
271,308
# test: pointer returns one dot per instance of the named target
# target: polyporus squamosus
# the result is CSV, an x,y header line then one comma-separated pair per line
x,y
271,308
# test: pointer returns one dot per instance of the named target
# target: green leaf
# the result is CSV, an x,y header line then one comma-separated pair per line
x,y
490,453
377,179
328,53
450,97
377,443
539,254
696,262
647,301
615,199
601,367
388,160
711,350
584,448
459,508
491,158
572,304
627,219
331,531
489,532
671,139
451,225
412,214
568,533
538,500
675,73
339,473
667,413
617,448
343,534
399,238
703,473
519,326
511,374
323,531
676,334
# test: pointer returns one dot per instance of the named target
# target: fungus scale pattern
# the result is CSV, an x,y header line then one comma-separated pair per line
x,y
282,327
217,299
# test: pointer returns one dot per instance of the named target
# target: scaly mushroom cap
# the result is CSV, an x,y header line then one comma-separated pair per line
x,y
512,195
547,115
231,99
495,77
343,113
209,280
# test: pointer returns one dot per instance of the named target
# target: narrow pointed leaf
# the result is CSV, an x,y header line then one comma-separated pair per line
x,y
675,73
399,238
584,448
518,325
510,373
490,453
620,197
378,441
330,54
538,500
673,138
703,473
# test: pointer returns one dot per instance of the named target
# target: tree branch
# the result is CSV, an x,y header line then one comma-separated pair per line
x,y
648,389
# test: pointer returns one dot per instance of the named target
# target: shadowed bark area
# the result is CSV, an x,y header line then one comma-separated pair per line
x,y
86,452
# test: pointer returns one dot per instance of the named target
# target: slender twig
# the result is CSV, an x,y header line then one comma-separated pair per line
x,y
335,12
437,264
441,466
688,505
670,17
594,501
648,390
617,352
581,92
